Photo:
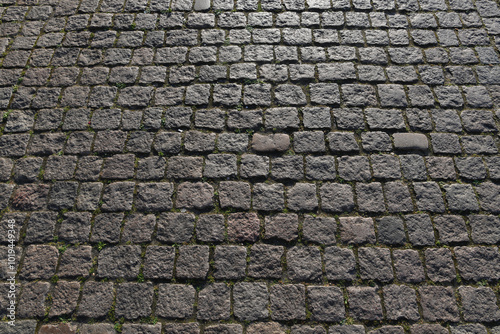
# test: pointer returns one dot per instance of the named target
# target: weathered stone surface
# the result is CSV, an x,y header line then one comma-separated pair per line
x,y
198,196
270,143
295,166
438,303
243,227
251,301
410,141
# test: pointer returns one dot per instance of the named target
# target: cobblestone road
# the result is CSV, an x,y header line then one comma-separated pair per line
x,y
294,166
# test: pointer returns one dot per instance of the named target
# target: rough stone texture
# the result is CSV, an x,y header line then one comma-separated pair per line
x,y
251,301
364,303
134,300
175,301
326,303
214,302
304,264
479,304
400,302
438,303
288,302
295,166
243,227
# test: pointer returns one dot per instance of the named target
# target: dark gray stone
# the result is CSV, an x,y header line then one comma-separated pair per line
x,y
364,303
288,302
134,300
230,262
408,266
250,301
214,302
119,261
326,303
175,301
304,264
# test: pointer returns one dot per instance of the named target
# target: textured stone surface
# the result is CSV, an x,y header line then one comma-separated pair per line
x,y
295,166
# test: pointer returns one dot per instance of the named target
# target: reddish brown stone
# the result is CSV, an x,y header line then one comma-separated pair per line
x,y
243,227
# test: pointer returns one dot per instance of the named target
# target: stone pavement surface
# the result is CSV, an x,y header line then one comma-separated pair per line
x,y
250,166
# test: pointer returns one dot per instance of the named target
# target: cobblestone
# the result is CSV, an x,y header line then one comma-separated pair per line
x,y
251,167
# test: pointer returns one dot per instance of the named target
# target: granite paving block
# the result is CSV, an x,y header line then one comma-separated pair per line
x,y
250,166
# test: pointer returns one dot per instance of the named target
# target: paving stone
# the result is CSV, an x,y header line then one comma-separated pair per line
x,y
138,228
410,142
389,329
375,263
429,197
470,328
250,301
397,197
354,168
321,230
185,167
230,329
484,229
210,228
308,141
477,263
243,227
326,303
159,262
75,227
214,302
154,196
302,196
408,266
376,142
288,302
175,227
400,302
390,231
175,301
438,303
451,229
192,262
197,196
428,328
30,197
189,328
230,262
134,300
479,145
220,165
304,264
141,328
64,299
69,147
32,299
196,141
265,261
370,197
119,261
40,262
471,168
320,168
337,197
488,196
420,230
479,304
118,196
439,264
364,303
268,197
